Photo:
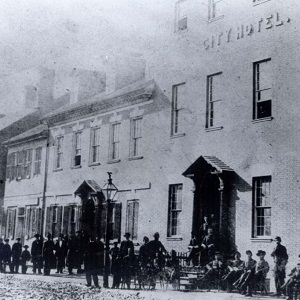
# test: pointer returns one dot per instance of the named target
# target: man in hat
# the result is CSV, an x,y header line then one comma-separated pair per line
x,y
6,255
280,259
249,270
25,257
235,268
127,256
1,254
48,255
262,268
16,255
37,254
216,269
61,250
157,250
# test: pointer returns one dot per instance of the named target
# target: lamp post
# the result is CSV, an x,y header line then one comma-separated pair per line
x,y
110,191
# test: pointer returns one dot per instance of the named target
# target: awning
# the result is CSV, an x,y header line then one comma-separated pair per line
x,y
88,185
204,162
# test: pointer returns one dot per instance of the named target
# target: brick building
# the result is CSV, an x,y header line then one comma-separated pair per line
x,y
215,132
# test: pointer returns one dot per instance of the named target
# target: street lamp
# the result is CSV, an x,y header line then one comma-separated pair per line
x,y
110,191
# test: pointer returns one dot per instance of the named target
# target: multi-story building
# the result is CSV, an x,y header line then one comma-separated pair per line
x,y
216,132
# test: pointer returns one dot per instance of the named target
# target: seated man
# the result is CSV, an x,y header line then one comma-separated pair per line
x,y
215,271
262,268
246,278
235,268
294,278
194,250
207,248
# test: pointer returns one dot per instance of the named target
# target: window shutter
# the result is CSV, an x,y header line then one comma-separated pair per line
x,y
79,218
48,220
66,220
135,220
117,225
14,215
129,221
103,219
28,223
29,162
4,221
9,166
59,221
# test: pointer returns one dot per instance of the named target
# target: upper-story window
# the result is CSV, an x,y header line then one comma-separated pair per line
x,y
136,137
27,163
59,152
262,206
215,9
95,145
114,141
77,149
175,209
11,166
181,15
213,100
37,161
262,104
178,96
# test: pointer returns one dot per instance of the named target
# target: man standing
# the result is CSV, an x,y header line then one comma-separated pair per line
x,y
36,254
280,259
48,255
208,248
16,255
1,254
127,255
6,255
61,250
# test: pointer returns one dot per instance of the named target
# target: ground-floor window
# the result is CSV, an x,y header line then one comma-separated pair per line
x,y
132,214
54,220
11,223
175,209
261,206
33,221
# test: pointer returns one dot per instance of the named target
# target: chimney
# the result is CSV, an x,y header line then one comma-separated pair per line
x,y
31,96
45,88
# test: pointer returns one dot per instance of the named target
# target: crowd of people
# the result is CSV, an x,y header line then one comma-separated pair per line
x,y
82,249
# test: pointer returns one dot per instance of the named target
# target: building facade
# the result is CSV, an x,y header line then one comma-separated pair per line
x,y
216,132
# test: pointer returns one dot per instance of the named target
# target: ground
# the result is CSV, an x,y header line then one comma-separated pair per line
x,y
64,287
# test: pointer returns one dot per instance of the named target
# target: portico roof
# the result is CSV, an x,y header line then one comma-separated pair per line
x,y
203,161
88,185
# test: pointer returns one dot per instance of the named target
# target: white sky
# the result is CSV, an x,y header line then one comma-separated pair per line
x,y
62,34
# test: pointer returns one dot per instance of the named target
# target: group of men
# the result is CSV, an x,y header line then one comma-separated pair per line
x,y
13,257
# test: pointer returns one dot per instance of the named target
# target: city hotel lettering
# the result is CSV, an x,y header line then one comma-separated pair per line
x,y
244,30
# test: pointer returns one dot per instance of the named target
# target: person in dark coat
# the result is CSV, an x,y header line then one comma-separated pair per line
x,y
127,256
204,227
37,254
48,255
115,265
72,255
6,255
208,247
1,255
16,255
92,262
25,257
101,255
61,250
194,250
156,250
280,259
143,253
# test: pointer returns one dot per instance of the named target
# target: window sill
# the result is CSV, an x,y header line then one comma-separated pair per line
x,y
217,18
57,170
262,120
260,2
213,128
114,161
261,240
136,157
94,164
175,238
177,135
76,167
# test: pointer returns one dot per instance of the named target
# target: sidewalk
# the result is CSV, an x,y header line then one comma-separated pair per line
x,y
78,282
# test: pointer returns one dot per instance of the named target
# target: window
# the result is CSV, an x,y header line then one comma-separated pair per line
x,y
181,15
132,218
11,166
27,163
95,145
262,206
136,137
33,219
59,152
175,208
262,89
214,97
178,95
215,9
11,223
37,161
115,141
20,228
77,149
